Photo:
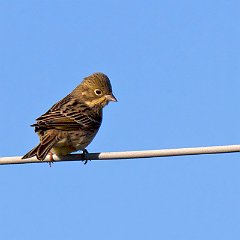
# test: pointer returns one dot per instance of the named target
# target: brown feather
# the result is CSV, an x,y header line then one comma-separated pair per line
x,y
73,122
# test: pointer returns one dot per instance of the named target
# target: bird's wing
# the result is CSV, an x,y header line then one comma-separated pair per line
x,y
69,114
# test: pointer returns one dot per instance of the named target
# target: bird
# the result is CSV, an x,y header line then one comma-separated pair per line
x,y
72,123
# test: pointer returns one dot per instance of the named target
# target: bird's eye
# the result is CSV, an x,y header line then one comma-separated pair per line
x,y
98,92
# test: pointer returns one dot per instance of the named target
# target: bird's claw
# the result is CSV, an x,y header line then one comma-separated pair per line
x,y
85,151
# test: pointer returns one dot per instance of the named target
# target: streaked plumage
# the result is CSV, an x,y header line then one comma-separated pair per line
x,y
72,123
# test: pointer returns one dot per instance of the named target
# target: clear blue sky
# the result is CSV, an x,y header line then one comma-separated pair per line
x,y
175,67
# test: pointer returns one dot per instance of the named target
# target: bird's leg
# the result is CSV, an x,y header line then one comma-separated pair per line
x,y
51,159
85,151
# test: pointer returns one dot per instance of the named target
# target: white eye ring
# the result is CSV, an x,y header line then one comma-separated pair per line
x,y
98,92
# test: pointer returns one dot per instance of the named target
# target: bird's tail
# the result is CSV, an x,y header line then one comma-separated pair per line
x,y
43,148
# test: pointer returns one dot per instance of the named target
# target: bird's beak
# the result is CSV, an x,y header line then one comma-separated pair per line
x,y
111,97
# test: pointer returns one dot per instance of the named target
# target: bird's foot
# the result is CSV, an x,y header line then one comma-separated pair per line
x,y
85,151
51,159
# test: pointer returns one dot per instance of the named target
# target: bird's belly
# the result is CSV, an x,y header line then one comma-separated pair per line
x,y
72,142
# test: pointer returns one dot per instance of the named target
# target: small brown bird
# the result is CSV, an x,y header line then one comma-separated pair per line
x,y
72,123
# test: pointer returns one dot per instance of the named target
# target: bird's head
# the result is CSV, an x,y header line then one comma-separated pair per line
x,y
96,90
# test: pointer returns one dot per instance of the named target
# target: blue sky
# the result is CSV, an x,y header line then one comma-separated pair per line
x,y
174,67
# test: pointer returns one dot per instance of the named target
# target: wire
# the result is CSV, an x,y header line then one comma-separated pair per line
x,y
127,155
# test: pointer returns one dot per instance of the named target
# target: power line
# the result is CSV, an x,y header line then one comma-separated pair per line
x,y
128,154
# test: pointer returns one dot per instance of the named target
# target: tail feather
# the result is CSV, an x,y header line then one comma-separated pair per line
x,y
31,153
43,148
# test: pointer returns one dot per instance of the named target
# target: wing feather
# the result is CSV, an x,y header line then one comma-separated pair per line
x,y
69,114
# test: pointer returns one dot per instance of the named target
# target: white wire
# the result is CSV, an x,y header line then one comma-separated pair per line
x,y
127,155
